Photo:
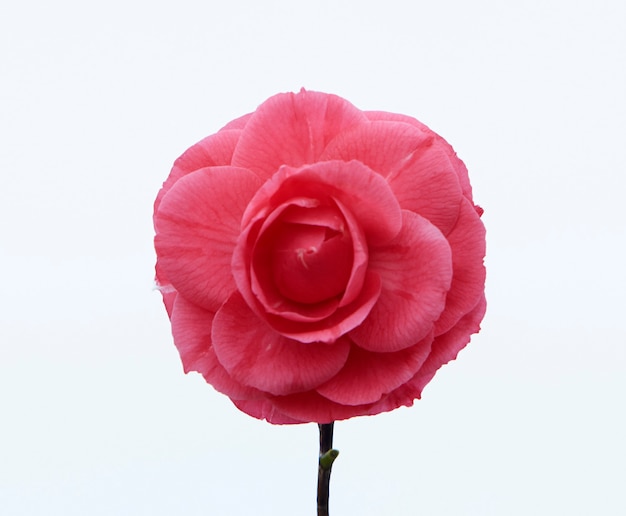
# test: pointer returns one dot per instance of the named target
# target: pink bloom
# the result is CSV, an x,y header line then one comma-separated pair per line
x,y
319,262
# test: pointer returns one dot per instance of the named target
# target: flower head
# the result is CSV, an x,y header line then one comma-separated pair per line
x,y
319,262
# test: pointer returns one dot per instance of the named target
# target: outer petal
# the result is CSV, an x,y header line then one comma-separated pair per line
x,y
426,184
396,117
467,241
367,376
445,348
191,327
457,164
382,146
313,407
415,269
237,123
292,129
416,166
265,409
197,228
254,354
215,150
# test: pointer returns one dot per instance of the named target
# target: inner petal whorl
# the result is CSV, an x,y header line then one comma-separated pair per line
x,y
310,263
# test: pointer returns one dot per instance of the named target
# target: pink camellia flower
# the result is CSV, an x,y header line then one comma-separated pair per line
x,y
319,262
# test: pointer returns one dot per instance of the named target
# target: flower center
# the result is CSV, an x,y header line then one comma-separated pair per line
x,y
311,263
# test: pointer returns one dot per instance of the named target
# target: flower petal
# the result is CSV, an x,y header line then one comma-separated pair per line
x,y
304,222
256,355
312,407
367,375
191,328
292,129
467,241
426,184
360,257
382,146
265,409
197,226
237,123
362,191
375,116
415,165
415,269
212,151
334,326
302,260
457,164
444,349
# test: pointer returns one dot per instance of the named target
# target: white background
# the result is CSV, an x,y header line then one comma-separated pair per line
x,y
97,99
